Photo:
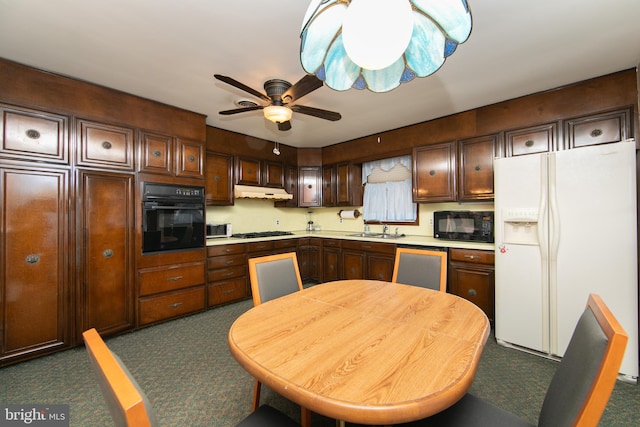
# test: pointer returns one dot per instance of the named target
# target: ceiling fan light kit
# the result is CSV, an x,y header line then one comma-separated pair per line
x,y
277,113
379,44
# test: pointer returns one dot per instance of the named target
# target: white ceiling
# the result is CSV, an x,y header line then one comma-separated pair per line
x,y
168,51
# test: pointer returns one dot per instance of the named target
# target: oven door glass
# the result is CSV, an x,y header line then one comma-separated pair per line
x,y
172,226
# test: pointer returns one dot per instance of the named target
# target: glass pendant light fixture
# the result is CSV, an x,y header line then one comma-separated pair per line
x,y
379,44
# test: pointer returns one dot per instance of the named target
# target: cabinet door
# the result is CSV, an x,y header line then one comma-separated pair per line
x,y
379,267
353,264
28,134
532,140
106,248
329,186
273,174
348,185
476,167
474,283
330,264
189,159
156,153
434,173
310,189
291,187
248,171
219,179
34,271
603,128
104,146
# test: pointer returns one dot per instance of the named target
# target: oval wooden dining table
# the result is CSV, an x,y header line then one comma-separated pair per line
x,y
364,351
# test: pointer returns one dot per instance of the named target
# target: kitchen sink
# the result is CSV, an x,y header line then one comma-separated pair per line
x,y
378,235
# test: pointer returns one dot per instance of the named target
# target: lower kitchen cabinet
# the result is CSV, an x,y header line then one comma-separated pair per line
x,y
35,311
105,228
226,274
166,292
472,276
331,249
309,258
367,260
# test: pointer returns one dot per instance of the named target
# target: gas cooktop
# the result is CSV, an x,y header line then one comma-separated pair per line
x,y
256,234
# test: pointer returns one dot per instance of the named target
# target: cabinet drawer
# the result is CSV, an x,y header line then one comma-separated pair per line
x,y
384,248
286,243
175,304
165,279
598,129
225,249
225,261
34,134
260,246
105,146
472,255
538,139
331,243
226,273
226,291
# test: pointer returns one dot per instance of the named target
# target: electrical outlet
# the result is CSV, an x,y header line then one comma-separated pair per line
x,y
277,222
431,221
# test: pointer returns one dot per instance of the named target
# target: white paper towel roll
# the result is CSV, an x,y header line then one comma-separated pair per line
x,y
349,214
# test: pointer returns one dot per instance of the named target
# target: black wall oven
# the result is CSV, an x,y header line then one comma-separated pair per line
x,y
172,217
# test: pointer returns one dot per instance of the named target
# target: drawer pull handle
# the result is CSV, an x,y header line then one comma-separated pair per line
x,y
175,305
157,153
228,274
192,159
32,259
366,246
472,256
229,262
529,143
596,133
228,291
173,279
106,145
32,134
472,292
107,253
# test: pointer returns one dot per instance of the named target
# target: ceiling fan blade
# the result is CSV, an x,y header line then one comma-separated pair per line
x,y
284,125
317,112
240,110
304,86
235,83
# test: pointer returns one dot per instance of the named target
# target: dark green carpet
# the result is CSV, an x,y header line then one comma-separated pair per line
x,y
190,377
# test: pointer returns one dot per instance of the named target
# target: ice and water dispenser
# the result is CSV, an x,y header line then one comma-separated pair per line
x,y
520,226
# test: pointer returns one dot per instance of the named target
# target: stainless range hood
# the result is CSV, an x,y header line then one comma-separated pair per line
x,y
251,192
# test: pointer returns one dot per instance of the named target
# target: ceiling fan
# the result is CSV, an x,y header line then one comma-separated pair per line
x,y
280,95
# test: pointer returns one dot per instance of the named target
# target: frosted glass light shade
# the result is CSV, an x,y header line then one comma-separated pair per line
x,y
376,33
277,113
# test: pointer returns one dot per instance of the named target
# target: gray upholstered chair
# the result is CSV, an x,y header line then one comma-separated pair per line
x,y
127,402
579,390
421,267
274,276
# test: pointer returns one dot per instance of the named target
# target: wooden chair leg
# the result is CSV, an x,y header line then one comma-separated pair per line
x,y
305,417
256,395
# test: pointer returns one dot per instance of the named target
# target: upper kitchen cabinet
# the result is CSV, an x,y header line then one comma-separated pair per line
x,y
310,186
434,173
266,173
475,167
104,146
219,179
349,184
532,140
601,128
166,155
329,191
290,186
34,135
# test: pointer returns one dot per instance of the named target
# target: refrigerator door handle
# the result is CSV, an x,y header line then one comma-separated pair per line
x,y
554,246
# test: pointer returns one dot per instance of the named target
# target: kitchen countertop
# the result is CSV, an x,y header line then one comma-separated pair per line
x,y
413,240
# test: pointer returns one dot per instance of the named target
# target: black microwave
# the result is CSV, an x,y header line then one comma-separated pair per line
x,y
471,226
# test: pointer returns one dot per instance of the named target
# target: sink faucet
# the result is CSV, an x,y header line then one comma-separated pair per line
x,y
385,229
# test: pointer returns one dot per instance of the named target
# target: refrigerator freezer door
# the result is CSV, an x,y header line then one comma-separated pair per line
x,y
521,291
597,252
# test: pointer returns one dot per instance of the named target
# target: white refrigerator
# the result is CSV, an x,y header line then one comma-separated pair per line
x,y
565,226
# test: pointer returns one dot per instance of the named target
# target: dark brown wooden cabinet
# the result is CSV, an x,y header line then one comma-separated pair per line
x,y
331,265
475,167
106,230
367,260
472,276
600,128
290,186
104,146
219,179
189,158
266,173
309,261
310,186
226,274
532,140
434,173
34,135
348,184
156,153
35,277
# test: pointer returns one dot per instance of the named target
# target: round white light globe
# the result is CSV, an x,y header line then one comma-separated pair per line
x,y
375,33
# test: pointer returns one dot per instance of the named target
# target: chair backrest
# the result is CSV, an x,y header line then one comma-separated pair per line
x,y
127,402
274,276
420,267
581,387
